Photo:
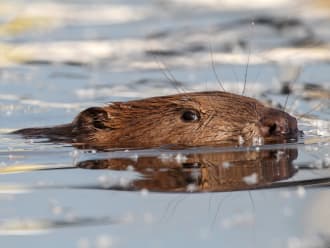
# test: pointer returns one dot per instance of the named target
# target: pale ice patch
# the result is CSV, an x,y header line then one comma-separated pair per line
x,y
105,181
134,157
148,218
124,181
13,189
297,56
317,163
326,160
307,242
104,241
322,127
78,13
128,54
235,5
294,56
83,243
87,51
128,91
144,192
237,220
40,103
75,156
301,192
125,91
24,227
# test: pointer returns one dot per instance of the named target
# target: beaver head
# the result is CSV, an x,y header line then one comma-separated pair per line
x,y
187,119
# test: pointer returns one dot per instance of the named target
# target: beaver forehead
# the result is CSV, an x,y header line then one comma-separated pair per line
x,y
203,101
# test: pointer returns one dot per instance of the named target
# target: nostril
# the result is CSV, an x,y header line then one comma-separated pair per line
x,y
272,128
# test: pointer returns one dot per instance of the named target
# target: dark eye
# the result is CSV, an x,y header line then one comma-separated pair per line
x,y
190,115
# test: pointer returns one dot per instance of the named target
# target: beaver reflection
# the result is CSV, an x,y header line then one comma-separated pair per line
x,y
204,172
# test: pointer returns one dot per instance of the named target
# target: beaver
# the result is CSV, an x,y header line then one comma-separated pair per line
x,y
209,118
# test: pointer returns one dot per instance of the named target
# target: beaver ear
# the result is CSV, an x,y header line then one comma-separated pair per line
x,y
94,116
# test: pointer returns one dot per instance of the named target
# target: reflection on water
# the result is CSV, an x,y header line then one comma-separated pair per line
x,y
184,171
204,172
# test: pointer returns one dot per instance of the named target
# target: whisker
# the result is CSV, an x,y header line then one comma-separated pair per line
x,y
208,97
213,68
210,203
293,81
168,208
286,101
293,107
256,78
246,71
299,117
221,202
176,204
169,76
254,216
248,59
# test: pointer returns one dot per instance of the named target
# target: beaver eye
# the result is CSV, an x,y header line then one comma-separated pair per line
x,y
190,115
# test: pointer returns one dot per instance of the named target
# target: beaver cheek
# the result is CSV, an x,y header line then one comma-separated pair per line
x,y
252,131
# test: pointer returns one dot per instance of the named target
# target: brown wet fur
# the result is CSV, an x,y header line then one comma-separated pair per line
x,y
224,118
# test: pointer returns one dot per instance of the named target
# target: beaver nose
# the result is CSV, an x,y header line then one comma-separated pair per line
x,y
278,123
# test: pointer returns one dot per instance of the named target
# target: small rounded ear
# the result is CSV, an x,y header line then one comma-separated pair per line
x,y
95,117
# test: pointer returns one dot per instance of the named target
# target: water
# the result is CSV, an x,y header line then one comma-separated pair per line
x,y
60,57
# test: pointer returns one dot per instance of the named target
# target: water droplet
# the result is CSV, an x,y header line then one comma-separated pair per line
x,y
252,179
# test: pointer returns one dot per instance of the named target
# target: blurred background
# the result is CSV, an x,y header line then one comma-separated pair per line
x,y
68,54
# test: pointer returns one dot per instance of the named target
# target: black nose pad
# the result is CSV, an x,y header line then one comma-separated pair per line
x,y
278,123
277,128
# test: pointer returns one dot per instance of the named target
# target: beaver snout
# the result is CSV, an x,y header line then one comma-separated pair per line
x,y
276,123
